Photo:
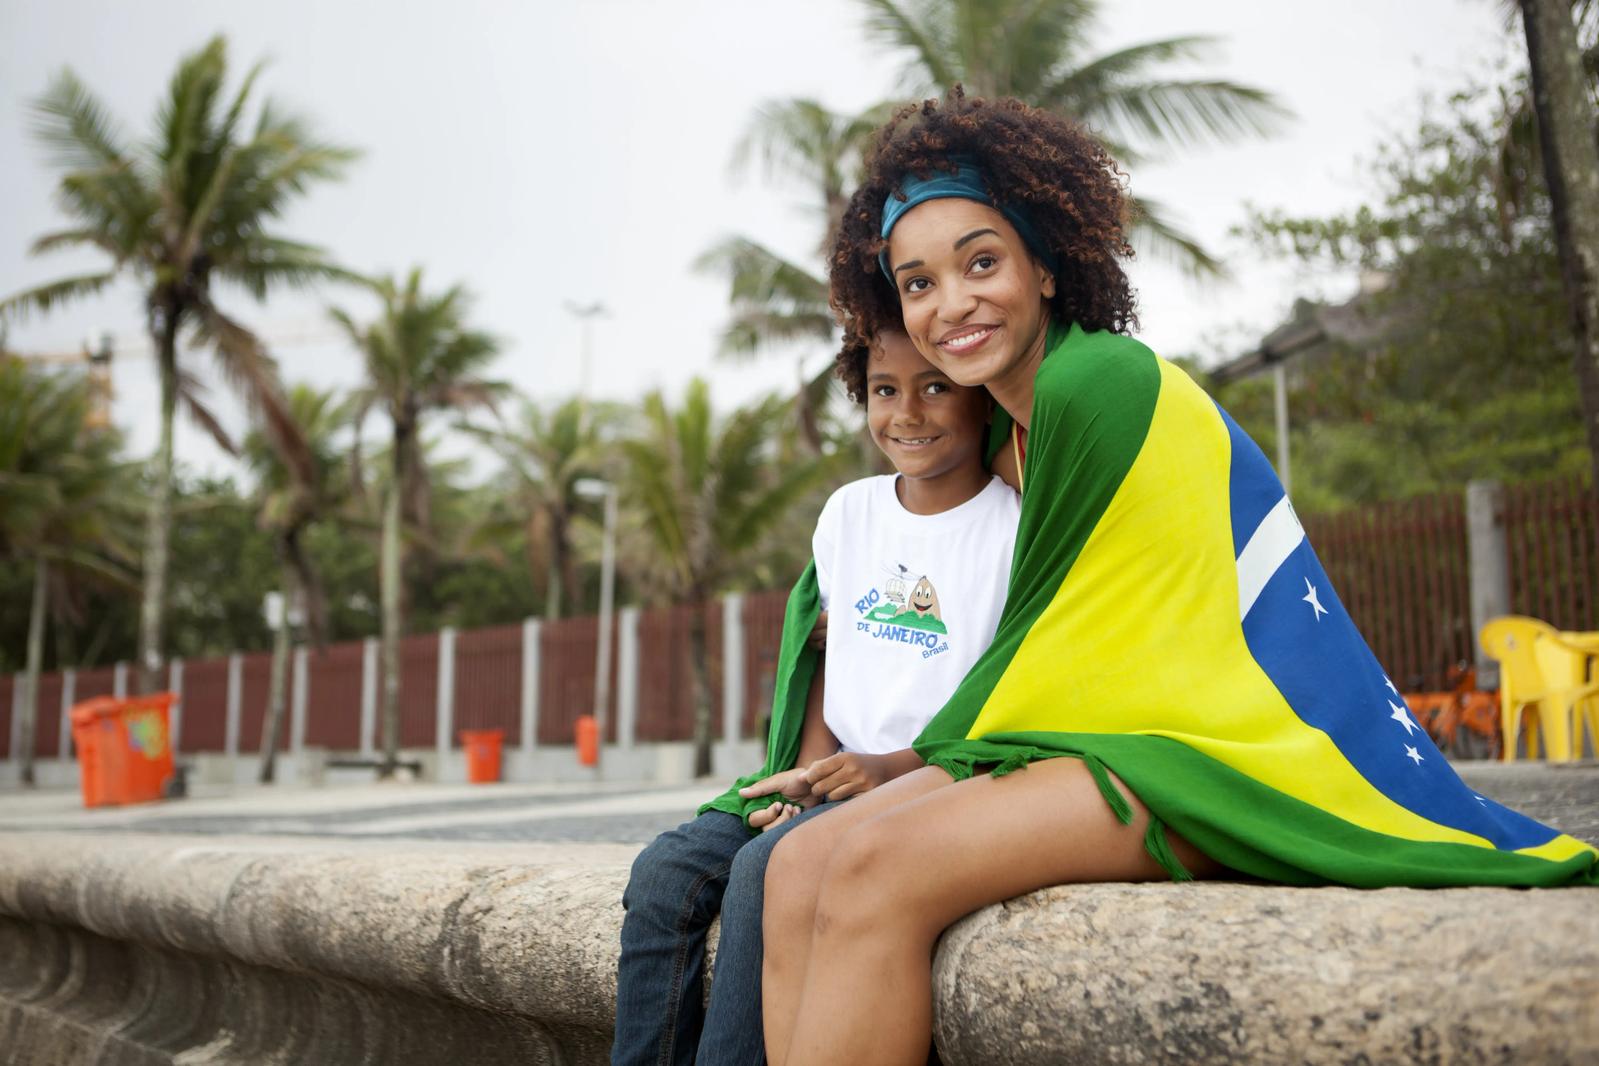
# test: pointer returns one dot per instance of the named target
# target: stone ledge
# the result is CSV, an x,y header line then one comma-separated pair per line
x,y
145,949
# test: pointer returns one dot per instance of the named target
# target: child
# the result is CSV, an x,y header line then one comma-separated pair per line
x,y
911,570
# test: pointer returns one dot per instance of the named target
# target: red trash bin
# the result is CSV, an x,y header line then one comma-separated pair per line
x,y
482,754
587,729
124,755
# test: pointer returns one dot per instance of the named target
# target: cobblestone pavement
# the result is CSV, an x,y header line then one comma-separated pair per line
x,y
1566,797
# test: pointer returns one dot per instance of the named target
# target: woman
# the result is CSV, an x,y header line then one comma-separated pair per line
x,y
1174,689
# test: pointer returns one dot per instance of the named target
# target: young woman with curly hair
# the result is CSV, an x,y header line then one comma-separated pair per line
x,y
1174,688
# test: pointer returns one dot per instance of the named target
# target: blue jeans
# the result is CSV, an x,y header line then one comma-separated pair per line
x,y
678,885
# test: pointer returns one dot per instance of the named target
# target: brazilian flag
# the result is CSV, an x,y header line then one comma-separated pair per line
x,y
1168,621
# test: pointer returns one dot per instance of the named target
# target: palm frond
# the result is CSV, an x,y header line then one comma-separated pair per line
x,y
47,298
1153,232
76,127
248,367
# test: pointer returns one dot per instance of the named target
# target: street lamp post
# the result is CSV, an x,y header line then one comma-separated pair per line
x,y
586,314
594,488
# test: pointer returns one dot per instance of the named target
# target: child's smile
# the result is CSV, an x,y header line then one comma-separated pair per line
x,y
930,428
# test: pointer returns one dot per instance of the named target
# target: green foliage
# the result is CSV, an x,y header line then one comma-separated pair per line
x,y
1461,364
706,493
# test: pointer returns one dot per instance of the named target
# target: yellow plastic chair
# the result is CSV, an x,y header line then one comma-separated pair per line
x,y
1540,676
1586,713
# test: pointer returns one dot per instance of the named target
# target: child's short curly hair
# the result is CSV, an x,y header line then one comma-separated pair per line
x,y
1065,181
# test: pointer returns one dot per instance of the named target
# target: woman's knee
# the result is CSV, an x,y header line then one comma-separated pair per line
x,y
793,868
865,882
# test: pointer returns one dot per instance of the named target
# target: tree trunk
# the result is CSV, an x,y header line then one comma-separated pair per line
x,y
557,578
158,527
699,658
391,566
1571,170
28,712
272,728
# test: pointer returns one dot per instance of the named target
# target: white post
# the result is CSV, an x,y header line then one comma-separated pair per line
x,y
369,697
732,667
119,681
16,719
297,702
1489,560
444,707
235,699
530,684
627,677
175,686
69,696
602,655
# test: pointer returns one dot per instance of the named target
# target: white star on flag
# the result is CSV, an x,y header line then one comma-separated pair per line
x,y
1478,798
1389,682
1402,716
1311,598
1412,754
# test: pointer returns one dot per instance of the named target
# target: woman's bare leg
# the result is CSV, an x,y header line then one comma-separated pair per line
x,y
899,878
793,878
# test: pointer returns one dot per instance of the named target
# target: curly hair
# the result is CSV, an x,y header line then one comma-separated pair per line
x,y
1066,182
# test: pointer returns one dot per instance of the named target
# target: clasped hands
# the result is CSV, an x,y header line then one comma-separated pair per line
x,y
839,776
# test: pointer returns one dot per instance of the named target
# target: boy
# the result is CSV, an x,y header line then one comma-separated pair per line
x,y
911,571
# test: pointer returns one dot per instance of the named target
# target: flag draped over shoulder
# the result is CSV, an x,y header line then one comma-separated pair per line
x,y
1168,620
796,665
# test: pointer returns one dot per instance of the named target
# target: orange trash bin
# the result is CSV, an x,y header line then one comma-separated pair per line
x,y
124,755
588,740
482,754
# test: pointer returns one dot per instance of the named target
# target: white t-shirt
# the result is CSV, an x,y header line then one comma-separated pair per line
x,y
912,601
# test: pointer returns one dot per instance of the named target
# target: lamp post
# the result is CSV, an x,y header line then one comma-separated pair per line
x,y
593,489
586,314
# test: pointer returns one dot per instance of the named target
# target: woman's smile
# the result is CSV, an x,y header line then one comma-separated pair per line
x,y
966,339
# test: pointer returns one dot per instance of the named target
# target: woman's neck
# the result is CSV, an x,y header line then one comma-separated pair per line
x,y
942,492
1013,390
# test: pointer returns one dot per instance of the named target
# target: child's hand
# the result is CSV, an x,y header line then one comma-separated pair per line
x,y
818,637
773,816
849,773
790,784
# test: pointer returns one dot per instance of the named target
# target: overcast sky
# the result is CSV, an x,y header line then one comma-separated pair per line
x,y
549,152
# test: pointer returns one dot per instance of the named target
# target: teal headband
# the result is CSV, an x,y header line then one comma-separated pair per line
x,y
965,184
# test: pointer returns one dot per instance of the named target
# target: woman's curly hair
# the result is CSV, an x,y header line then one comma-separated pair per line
x,y
1065,181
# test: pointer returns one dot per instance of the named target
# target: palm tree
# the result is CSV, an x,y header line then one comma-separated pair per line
x,y
420,357
1040,52
185,207
1563,102
776,302
289,505
546,453
706,494
67,502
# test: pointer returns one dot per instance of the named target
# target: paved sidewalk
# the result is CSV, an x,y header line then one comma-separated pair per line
x,y
1565,796
618,813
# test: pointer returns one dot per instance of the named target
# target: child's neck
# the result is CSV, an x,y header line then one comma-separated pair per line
x,y
944,492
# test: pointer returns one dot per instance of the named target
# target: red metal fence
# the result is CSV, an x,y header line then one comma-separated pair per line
x,y
1403,573
1552,534
1401,569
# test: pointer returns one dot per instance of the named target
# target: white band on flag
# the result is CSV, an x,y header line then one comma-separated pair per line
x,y
1273,541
